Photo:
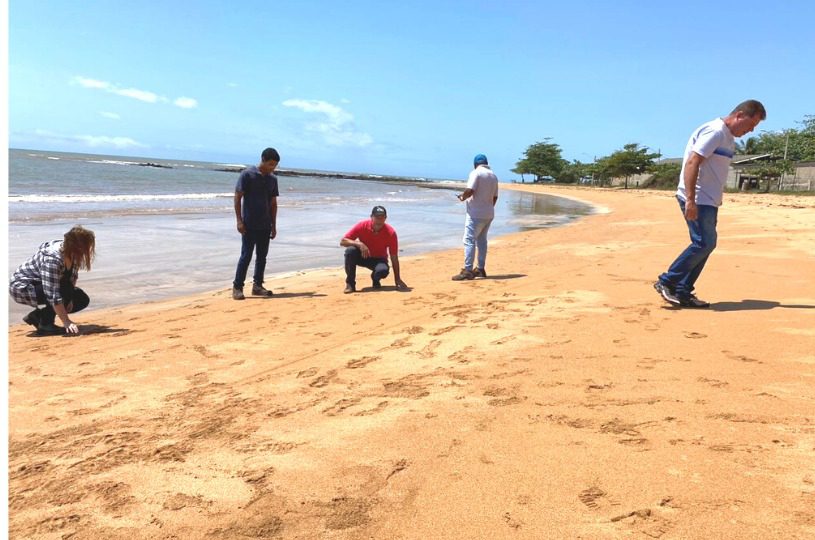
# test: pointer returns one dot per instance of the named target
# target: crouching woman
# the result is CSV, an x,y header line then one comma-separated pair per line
x,y
49,278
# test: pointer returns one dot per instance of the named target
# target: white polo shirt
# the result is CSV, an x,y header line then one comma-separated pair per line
x,y
484,184
714,142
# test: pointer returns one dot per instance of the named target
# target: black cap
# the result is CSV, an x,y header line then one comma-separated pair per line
x,y
379,211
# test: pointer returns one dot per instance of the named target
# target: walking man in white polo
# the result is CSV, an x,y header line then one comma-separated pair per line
x,y
481,195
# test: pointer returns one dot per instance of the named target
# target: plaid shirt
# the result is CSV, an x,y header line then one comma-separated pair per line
x,y
45,267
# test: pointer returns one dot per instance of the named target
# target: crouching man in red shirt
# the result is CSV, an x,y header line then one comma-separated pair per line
x,y
368,244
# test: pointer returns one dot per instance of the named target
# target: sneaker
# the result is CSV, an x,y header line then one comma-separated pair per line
x,y
464,274
349,289
666,293
259,290
33,318
377,284
693,302
237,294
479,273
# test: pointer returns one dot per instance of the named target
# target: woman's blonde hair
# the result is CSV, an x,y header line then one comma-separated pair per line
x,y
80,246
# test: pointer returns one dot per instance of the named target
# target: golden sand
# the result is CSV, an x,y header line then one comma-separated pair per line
x,y
560,398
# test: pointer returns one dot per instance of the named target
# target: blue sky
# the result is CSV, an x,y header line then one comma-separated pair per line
x,y
409,88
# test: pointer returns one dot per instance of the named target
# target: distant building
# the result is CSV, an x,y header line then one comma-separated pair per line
x,y
739,176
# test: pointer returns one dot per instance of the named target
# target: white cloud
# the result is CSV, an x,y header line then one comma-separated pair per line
x,y
141,95
111,115
91,83
337,127
93,141
103,141
186,103
133,93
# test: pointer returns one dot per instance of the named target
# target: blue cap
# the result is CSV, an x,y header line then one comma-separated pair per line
x,y
480,159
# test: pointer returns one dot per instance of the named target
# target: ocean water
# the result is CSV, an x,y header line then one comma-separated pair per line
x,y
167,227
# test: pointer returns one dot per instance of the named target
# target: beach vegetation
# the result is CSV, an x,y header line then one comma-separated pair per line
x,y
789,144
541,159
777,154
574,172
663,175
632,159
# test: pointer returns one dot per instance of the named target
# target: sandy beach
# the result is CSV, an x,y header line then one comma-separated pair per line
x,y
560,398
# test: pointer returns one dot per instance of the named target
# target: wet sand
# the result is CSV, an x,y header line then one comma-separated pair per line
x,y
560,398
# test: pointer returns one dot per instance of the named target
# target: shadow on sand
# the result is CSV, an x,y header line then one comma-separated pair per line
x,y
753,305
84,330
506,276
309,294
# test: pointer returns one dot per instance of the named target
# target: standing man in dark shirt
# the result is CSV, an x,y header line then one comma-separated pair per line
x,y
256,210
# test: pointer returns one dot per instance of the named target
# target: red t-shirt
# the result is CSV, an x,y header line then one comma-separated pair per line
x,y
379,243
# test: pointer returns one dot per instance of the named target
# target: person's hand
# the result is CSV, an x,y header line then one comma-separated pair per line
x,y
241,227
401,285
273,233
71,328
691,211
364,250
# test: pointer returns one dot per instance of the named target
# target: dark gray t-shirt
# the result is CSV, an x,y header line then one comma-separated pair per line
x,y
257,190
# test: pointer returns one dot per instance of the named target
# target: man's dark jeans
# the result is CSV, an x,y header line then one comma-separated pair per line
x,y
685,270
252,240
354,258
73,298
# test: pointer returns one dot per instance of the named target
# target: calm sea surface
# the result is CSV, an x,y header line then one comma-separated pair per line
x,y
167,228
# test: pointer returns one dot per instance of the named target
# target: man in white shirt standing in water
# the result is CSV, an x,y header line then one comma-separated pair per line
x,y
481,195
701,185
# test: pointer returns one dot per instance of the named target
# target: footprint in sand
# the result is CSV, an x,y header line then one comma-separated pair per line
x,y
398,344
324,380
381,406
340,406
695,335
712,382
429,351
462,356
361,362
310,372
740,357
595,498
444,330
206,353
512,522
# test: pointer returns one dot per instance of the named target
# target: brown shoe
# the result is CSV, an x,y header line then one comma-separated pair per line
x,y
260,290
349,289
237,294
464,274
479,273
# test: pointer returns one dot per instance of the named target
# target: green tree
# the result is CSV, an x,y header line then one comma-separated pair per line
x,y
664,176
522,168
632,159
541,159
574,171
790,144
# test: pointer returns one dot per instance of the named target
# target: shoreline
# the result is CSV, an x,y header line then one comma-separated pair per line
x,y
559,398
114,269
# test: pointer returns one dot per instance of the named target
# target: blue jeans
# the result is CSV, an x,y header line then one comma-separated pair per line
x,y
252,240
475,235
685,270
